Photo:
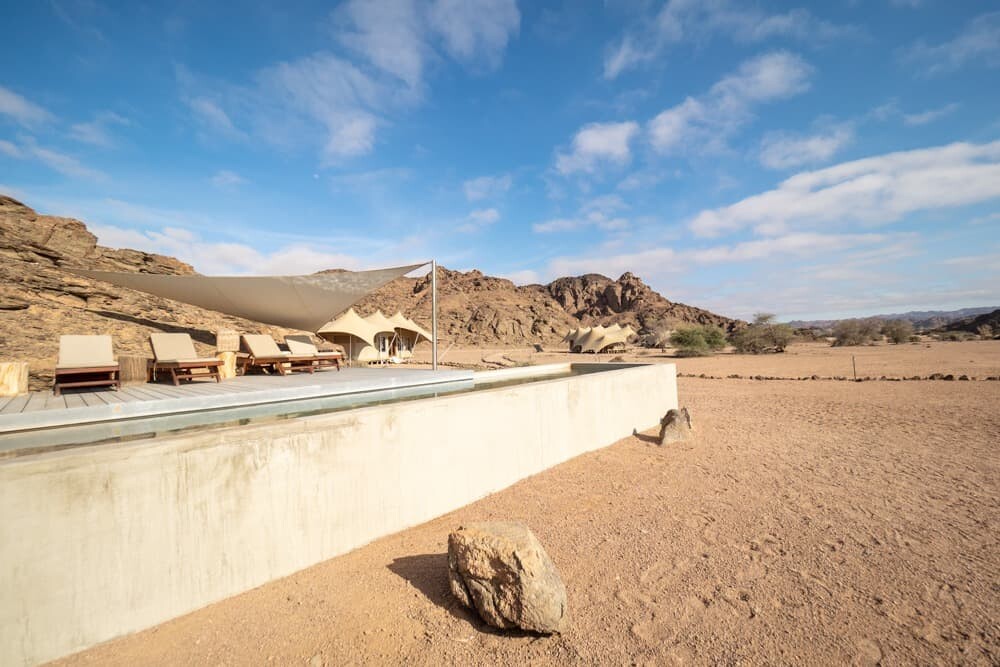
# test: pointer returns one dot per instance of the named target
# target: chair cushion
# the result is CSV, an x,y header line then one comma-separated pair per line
x,y
83,351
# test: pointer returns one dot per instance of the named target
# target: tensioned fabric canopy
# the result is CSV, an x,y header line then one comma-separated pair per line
x,y
305,303
406,324
351,324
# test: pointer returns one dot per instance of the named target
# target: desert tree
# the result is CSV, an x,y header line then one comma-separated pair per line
x,y
897,331
764,334
857,332
697,340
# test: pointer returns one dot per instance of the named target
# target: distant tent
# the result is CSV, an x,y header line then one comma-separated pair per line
x,y
355,334
577,335
605,339
408,334
587,342
386,336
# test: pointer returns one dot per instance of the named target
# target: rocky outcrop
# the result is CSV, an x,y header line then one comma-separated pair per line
x,y
39,299
502,571
596,299
475,309
978,325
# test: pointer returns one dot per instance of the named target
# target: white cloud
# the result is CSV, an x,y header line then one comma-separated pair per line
x,y
983,219
651,262
524,277
704,124
874,190
211,115
639,180
216,258
65,164
337,105
224,179
930,115
694,20
479,219
780,150
486,187
24,112
10,150
597,144
475,32
599,212
388,34
97,132
978,43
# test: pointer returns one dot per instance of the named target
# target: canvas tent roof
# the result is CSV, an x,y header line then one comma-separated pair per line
x,y
381,322
586,342
305,303
351,324
406,324
574,336
600,337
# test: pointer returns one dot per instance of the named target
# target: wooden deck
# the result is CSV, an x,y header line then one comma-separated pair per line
x,y
31,420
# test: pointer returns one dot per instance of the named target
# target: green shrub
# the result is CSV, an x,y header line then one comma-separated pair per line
x,y
764,335
694,341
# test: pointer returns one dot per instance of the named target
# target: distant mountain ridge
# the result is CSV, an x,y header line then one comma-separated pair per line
x,y
921,319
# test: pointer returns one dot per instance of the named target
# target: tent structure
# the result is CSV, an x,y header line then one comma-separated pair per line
x,y
386,337
356,335
408,334
586,342
305,303
574,336
599,338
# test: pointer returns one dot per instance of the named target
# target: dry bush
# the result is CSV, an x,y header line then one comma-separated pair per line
x,y
897,331
985,331
857,332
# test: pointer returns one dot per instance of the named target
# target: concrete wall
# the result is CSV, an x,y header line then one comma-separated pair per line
x,y
97,542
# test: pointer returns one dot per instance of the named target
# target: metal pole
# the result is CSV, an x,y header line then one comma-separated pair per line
x,y
434,314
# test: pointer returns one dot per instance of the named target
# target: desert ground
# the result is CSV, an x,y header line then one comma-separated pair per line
x,y
806,522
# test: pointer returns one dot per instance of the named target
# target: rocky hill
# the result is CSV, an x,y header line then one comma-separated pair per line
x,y
475,309
39,299
976,324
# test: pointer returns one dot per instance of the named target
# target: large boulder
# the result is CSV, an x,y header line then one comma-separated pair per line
x,y
502,571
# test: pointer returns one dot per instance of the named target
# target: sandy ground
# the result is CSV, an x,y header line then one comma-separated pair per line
x,y
972,358
806,523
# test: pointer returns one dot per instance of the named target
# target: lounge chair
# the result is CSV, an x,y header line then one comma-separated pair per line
x,y
86,361
264,353
175,353
304,345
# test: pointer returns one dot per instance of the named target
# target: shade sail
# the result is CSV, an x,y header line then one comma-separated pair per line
x,y
305,303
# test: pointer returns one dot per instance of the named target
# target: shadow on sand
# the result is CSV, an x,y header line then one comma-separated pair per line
x,y
651,439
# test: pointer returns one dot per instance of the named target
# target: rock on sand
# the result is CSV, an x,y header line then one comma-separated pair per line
x,y
502,571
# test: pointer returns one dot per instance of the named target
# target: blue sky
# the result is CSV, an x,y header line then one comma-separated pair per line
x,y
823,160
